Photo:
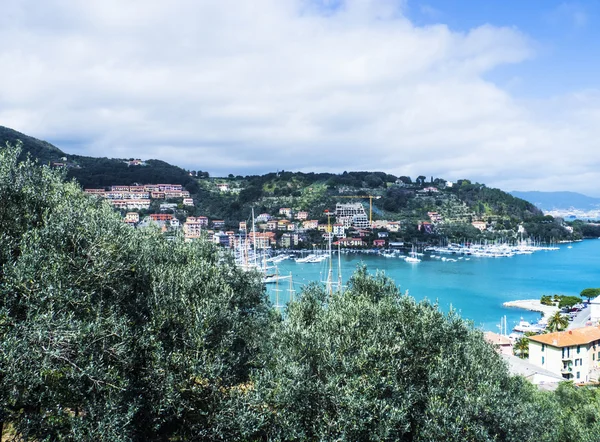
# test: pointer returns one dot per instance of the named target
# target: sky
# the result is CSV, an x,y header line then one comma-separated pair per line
x,y
506,93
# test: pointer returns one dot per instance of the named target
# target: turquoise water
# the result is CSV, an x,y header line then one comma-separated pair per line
x,y
476,288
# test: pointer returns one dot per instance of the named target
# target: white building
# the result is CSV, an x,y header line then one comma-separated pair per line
x,y
573,354
339,230
595,309
351,214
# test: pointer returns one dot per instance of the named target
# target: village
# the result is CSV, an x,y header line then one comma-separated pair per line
x,y
348,224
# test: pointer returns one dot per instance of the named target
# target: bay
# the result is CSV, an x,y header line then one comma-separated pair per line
x,y
476,288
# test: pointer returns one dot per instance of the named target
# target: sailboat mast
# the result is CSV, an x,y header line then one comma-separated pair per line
x,y
291,289
339,269
254,237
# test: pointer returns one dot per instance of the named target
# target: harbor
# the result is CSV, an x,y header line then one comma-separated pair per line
x,y
476,286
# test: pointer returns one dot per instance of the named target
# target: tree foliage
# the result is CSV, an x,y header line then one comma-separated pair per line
x,y
372,364
113,333
109,332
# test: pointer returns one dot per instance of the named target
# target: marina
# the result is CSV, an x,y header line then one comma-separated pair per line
x,y
476,286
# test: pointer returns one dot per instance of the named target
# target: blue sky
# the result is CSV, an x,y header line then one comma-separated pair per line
x,y
502,92
565,36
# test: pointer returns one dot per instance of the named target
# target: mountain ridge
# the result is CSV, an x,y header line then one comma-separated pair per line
x,y
561,200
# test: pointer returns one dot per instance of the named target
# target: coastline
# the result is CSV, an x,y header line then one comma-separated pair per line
x,y
533,305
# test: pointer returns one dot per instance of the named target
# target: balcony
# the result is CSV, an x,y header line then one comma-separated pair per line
x,y
567,370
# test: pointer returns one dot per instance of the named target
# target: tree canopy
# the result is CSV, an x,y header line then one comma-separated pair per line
x,y
114,333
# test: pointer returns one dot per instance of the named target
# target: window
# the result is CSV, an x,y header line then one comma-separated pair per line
x,y
578,375
563,353
578,349
593,356
576,362
543,360
543,347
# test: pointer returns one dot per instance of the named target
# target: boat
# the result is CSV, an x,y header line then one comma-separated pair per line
x,y
412,257
524,326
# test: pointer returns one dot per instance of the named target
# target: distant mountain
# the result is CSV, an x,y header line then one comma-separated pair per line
x,y
559,200
99,172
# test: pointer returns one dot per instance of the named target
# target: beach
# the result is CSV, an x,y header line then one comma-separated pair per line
x,y
533,305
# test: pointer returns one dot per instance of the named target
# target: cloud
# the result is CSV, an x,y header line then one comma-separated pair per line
x,y
252,87
569,13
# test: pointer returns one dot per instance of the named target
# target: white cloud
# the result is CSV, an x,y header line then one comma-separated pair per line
x,y
251,87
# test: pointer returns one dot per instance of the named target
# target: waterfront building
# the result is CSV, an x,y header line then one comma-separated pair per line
x,y
573,354
350,242
289,240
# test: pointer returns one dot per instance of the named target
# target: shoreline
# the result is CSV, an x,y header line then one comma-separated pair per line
x,y
532,305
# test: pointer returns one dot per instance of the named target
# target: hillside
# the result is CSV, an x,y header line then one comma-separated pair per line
x,y
559,200
41,150
428,209
98,172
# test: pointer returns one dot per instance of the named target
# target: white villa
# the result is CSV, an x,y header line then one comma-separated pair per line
x,y
573,354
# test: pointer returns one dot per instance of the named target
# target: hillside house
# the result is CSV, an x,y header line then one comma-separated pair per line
x,y
393,226
263,218
573,354
192,228
310,224
286,211
282,224
132,217
480,225
161,217
302,215
501,343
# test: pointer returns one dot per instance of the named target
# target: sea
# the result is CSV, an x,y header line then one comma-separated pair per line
x,y
476,288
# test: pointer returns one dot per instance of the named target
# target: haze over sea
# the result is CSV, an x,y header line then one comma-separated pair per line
x,y
476,288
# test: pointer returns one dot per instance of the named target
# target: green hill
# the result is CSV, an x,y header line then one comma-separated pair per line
x,y
394,198
42,150
99,172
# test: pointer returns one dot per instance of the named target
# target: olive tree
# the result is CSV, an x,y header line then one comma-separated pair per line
x,y
112,333
372,364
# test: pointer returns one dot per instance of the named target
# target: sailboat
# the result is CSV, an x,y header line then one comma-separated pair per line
x,y
412,257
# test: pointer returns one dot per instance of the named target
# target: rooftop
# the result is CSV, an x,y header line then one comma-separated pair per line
x,y
578,336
